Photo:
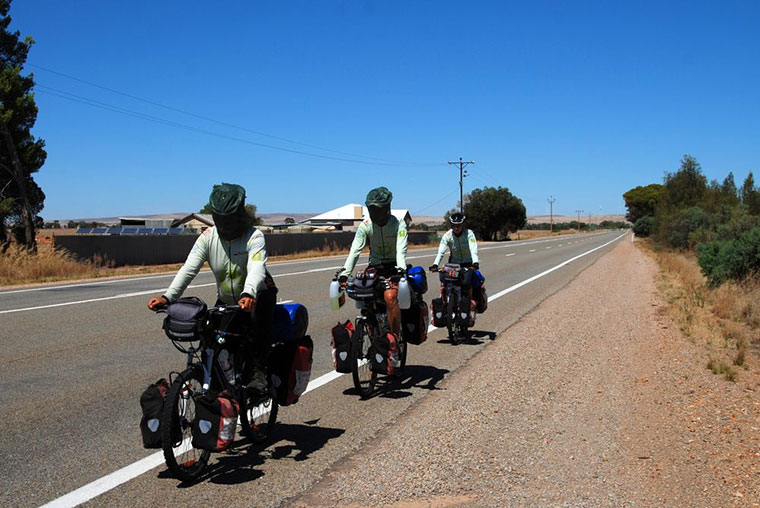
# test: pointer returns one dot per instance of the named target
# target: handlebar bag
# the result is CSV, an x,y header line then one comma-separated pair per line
x,y
340,343
290,369
384,354
362,286
417,279
414,323
184,318
215,421
152,404
452,272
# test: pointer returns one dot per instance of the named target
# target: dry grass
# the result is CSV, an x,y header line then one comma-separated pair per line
x,y
17,266
724,320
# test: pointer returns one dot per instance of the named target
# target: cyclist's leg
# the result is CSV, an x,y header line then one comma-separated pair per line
x,y
261,339
390,295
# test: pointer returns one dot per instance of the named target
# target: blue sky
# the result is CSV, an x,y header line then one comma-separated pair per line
x,y
578,100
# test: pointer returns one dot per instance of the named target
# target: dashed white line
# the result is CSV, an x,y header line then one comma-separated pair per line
x,y
511,254
532,250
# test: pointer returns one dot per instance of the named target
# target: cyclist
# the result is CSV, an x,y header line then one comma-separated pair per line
x,y
387,240
236,252
463,248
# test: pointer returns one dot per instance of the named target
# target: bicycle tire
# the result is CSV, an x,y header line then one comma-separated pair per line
x,y
451,312
185,462
364,377
257,422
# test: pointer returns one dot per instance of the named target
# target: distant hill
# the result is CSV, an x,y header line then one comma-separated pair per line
x,y
592,219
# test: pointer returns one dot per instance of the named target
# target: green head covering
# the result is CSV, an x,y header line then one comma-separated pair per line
x,y
228,210
379,196
226,198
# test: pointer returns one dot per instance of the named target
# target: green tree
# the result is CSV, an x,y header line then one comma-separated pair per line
x,y
642,201
22,154
493,211
290,220
686,187
750,195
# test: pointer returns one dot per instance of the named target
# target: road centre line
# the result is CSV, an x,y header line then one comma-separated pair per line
x,y
127,473
98,282
161,290
511,254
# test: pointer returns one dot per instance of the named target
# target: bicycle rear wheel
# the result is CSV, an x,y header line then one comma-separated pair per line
x,y
258,417
361,368
184,461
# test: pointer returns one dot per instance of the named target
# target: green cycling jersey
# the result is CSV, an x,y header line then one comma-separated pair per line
x,y
239,265
387,244
463,248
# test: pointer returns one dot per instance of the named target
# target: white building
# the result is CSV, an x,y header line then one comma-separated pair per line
x,y
348,217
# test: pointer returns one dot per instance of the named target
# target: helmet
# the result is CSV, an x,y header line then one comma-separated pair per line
x,y
379,205
457,219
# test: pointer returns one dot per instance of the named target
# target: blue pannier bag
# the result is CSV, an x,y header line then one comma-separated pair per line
x,y
291,321
477,279
417,279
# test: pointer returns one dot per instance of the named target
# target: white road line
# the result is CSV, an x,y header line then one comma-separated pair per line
x,y
511,254
547,247
532,250
123,475
124,295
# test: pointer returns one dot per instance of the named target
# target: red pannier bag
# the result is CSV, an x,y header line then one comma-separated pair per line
x,y
414,323
290,369
340,343
215,421
384,354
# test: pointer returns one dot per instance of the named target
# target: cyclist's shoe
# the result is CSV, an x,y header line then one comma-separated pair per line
x,y
256,388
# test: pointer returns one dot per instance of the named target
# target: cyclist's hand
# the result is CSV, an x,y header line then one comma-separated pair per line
x,y
247,303
433,268
476,266
157,302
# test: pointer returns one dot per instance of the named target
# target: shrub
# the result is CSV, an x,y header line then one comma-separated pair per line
x,y
675,232
644,226
730,259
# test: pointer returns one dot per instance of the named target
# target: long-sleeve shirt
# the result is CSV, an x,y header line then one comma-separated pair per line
x,y
387,244
464,248
239,265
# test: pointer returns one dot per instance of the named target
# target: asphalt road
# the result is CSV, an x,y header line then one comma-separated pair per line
x,y
77,356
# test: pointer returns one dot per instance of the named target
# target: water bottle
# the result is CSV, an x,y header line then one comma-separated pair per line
x,y
337,297
404,294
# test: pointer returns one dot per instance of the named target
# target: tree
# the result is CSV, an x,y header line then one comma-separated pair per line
x,y
686,187
642,201
290,220
493,211
22,154
751,195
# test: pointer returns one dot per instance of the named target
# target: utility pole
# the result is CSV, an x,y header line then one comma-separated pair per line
x,y
462,174
579,212
551,201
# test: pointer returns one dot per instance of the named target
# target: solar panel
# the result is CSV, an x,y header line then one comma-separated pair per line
x,y
175,231
84,231
160,231
113,231
144,231
98,231
129,231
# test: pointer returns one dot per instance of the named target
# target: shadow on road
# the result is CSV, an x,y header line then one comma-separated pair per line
x,y
413,376
239,464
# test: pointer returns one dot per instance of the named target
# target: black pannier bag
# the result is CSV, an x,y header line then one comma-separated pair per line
x,y
185,318
215,421
152,403
384,354
414,323
290,369
463,312
341,346
481,300
439,313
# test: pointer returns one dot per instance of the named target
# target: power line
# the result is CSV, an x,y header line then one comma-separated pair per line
x,y
433,204
226,124
116,109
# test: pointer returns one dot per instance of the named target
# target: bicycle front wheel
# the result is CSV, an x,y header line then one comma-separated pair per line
x,y
361,367
184,461
451,316
258,417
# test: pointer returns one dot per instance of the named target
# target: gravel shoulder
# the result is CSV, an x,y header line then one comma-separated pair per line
x,y
592,399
